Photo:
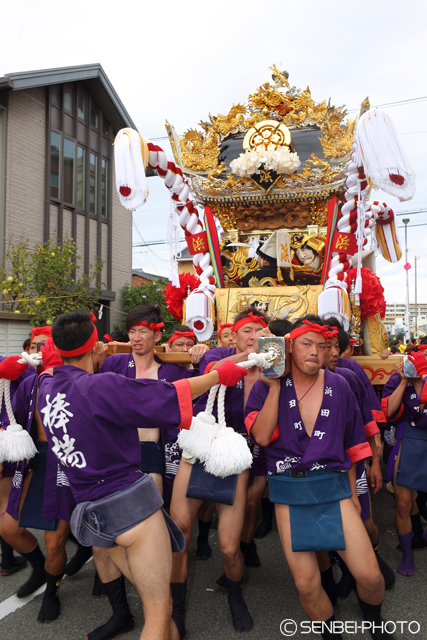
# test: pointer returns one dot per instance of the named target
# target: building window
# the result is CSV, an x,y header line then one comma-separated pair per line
x,y
81,104
68,100
80,178
104,188
55,151
56,99
93,118
79,157
68,171
93,180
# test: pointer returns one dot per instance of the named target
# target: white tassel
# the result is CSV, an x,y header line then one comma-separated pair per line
x,y
131,158
229,454
384,160
334,303
200,312
198,439
223,451
16,444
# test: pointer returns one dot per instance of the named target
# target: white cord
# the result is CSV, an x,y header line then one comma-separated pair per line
x,y
264,360
8,403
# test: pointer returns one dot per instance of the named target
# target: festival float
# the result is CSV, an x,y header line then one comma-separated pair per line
x,y
274,201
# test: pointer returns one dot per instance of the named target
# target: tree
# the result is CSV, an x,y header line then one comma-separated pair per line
x,y
45,282
147,294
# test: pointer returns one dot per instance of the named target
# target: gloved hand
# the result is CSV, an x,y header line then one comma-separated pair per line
x,y
420,363
51,358
230,373
11,369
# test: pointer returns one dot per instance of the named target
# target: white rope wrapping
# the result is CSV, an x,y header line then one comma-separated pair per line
x,y
223,451
180,192
129,147
7,401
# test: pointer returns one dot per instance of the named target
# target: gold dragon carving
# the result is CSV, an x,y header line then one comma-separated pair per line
x,y
337,139
280,77
328,174
200,152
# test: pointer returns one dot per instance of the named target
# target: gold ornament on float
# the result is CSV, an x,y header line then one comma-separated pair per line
x,y
267,134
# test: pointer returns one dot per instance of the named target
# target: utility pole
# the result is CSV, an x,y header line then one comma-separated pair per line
x,y
407,328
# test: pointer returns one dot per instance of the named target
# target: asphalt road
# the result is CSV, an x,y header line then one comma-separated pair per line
x,y
269,593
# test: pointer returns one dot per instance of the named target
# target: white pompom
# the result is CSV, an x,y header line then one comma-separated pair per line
x,y
198,439
17,444
229,454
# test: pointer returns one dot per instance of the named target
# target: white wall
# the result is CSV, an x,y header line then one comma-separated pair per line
x,y
12,335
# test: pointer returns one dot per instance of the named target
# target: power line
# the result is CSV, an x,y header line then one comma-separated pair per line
x,y
397,103
413,212
152,243
413,225
139,233
386,104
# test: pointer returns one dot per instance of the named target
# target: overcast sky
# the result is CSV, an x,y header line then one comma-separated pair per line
x,y
183,60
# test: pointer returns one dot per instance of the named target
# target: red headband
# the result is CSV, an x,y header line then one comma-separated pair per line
x,y
352,342
307,326
108,338
87,346
250,318
40,331
224,326
182,334
154,327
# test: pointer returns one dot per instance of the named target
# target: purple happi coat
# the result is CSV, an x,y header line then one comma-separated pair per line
x,y
358,389
234,406
58,501
91,424
409,407
338,439
234,396
124,364
377,413
371,429
409,411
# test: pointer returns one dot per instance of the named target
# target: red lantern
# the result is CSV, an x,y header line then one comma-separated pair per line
x,y
407,266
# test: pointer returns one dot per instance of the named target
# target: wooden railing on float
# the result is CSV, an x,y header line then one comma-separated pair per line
x,y
377,370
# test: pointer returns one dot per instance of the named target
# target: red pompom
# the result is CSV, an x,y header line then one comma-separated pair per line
x,y
125,191
372,296
199,325
175,297
396,178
